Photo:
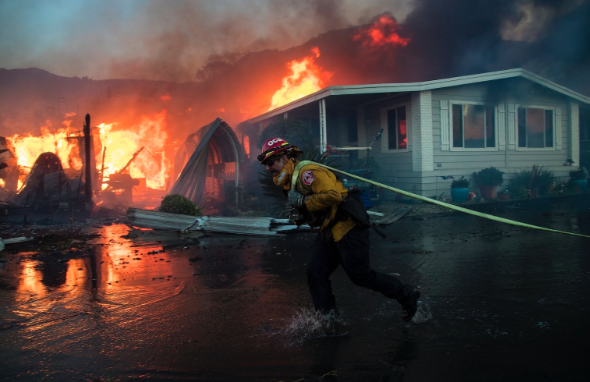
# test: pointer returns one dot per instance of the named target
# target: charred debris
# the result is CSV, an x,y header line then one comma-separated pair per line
x,y
206,166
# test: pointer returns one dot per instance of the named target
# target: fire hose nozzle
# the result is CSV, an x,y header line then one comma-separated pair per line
x,y
296,215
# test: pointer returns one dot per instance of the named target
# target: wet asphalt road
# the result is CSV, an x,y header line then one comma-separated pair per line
x,y
500,303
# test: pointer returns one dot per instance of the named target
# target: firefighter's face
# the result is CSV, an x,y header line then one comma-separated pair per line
x,y
275,164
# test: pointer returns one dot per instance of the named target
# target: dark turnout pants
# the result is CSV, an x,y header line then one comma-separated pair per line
x,y
352,252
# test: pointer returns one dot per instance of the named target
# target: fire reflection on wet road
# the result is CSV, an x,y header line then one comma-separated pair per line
x,y
500,303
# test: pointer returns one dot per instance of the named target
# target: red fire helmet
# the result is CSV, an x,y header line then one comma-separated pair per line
x,y
272,147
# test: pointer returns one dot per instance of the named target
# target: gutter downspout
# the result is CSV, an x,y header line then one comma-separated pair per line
x,y
323,137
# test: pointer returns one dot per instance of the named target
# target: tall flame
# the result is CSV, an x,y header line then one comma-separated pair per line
x,y
121,144
382,32
28,147
306,77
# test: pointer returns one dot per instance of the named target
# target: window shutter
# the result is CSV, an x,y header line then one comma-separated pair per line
x,y
501,126
558,128
511,126
385,127
444,126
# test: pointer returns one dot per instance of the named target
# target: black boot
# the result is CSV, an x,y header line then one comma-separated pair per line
x,y
337,329
335,325
410,302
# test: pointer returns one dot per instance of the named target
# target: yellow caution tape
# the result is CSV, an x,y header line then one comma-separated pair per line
x,y
437,202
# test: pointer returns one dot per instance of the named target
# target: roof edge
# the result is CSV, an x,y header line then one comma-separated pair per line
x,y
421,86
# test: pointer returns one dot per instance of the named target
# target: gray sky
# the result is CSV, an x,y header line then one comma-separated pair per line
x,y
164,39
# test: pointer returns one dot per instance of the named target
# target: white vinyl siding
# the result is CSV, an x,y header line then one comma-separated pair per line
x,y
506,157
422,133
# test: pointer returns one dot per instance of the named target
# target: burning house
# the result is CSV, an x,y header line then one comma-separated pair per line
x,y
45,186
64,168
430,131
206,167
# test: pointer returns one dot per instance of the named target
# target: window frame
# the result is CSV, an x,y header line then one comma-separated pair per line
x,y
544,108
452,147
385,126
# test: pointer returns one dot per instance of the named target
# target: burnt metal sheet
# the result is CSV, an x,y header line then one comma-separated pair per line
x,y
217,135
257,226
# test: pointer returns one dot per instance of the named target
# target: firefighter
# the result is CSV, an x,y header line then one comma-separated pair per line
x,y
320,199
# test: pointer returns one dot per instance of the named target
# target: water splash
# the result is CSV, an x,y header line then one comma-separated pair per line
x,y
308,324
423,313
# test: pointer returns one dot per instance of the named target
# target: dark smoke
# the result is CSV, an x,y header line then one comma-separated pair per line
x,y
448,38
459,37
182,31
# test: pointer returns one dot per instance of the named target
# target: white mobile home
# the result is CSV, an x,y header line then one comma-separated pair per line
x,y
511,120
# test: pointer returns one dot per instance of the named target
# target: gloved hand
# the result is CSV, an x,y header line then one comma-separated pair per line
x,y
297,217
296,199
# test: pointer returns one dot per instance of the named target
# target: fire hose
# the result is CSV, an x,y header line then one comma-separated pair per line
x,y
433,201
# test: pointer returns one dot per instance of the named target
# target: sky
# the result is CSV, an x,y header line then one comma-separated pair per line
x,y
165,39
247,44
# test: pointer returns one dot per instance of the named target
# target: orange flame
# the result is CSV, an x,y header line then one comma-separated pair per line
x,y
381,32
306,77
121,144
166,97
246,145
28,147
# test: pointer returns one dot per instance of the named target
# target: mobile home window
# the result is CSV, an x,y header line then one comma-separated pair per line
x,y
473,126
535,127
397,128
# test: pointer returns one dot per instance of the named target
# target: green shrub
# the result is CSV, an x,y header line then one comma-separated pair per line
x,y
531,183
460,183
178,204
490,176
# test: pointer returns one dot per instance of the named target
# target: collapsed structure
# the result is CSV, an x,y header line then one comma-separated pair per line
x,y
206,170
207,165
47,188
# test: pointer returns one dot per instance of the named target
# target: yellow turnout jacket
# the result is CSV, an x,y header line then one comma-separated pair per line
x,y
323,193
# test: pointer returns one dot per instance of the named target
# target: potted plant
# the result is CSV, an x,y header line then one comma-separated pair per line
x,y
460,190
504,195
579,180
488,181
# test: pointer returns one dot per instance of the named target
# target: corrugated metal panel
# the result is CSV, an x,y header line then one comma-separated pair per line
x,y
218,136
258,226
